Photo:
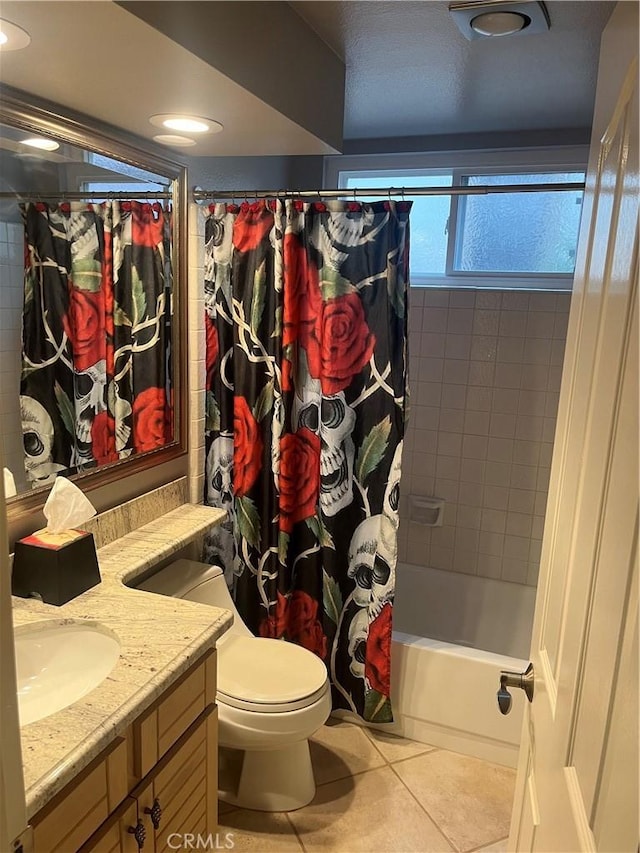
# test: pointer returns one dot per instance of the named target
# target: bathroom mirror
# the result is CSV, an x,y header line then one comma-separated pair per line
x,y
91,374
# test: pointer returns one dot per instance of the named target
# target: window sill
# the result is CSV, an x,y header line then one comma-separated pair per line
x,y
561,284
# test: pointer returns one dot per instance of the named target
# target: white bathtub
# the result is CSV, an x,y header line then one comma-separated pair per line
x,y
443,687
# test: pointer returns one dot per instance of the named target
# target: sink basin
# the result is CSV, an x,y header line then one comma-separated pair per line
x,y
59,663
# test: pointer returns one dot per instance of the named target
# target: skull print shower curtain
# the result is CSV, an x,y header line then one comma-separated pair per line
x,y
305,315
95,384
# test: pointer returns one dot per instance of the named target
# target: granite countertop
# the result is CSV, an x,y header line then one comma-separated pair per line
x,y
160,638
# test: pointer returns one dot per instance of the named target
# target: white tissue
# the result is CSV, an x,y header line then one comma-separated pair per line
x,y
66,507
9,484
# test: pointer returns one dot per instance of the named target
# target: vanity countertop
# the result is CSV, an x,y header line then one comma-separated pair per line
x,y
160,638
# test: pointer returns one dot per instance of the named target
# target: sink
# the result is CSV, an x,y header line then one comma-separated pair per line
x,y
58,663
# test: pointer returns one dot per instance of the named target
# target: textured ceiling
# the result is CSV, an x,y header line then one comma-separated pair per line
x,y
410,72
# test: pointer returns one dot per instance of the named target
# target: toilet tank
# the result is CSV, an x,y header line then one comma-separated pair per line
x,y
198,582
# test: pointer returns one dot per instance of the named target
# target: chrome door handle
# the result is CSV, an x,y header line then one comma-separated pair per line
x,y
523,680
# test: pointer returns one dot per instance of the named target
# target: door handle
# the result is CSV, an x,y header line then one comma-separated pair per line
x,y
522,680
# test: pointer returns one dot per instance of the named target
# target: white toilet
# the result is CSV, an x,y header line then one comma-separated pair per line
x,y
272,696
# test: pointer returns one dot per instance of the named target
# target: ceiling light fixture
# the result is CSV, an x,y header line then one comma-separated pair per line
x,y
12,37
186,123
176,141
42,143
496,18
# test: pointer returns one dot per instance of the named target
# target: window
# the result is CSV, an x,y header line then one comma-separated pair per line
x,y
522,239
101,174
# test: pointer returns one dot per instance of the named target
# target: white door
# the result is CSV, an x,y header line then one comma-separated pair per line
x,y
12,803
577,785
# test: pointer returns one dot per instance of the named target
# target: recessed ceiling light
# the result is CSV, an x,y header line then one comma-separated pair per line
x,y
500,23
185,123
41,143
177,141
12,37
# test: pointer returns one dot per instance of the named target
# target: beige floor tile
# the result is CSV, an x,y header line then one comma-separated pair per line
x,y
262,832
340,749
368,813
470,800
496,847
395,748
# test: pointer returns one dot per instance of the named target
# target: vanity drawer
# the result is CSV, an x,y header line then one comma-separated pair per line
x,y
162,726
82,806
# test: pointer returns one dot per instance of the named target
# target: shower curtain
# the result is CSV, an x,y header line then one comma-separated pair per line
x,y
95,383
305,314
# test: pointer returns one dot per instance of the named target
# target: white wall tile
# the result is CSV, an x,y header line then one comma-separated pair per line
x,y
485,322
457,346
460,321
491,299
485,374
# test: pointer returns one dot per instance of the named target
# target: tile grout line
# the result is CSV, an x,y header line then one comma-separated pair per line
x,y
433,821
295,831
372,741
489,844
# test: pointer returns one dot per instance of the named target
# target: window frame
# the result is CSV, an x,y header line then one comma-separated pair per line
x,y
339,169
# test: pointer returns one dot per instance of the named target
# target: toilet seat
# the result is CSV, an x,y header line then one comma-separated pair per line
x,y
269,676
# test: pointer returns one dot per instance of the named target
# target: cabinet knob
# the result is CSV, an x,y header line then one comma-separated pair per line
x,y
139,833
156,813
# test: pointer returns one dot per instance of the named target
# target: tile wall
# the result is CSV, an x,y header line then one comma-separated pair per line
x,y
11,294
197,371
485,370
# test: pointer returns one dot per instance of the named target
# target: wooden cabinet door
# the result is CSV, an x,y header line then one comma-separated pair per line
x,y
116,834
185,785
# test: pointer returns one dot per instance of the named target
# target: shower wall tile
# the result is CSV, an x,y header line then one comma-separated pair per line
x,y
485,372
196,353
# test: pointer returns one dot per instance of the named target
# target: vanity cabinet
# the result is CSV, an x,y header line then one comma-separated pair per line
x,y
160,778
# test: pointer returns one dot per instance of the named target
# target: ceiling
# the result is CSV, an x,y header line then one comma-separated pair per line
x,y
277,89
104,61
410,72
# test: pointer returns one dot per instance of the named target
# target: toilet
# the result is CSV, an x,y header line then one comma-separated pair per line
x,y
271,695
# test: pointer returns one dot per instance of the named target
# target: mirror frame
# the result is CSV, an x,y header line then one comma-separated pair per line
x,y
32,114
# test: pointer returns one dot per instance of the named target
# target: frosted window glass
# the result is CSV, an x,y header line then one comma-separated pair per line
x,y
520,232
429,216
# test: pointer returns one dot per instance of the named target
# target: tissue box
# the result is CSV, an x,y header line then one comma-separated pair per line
x,y
55,567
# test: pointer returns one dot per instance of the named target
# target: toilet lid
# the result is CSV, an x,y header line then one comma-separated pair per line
x,y
258,670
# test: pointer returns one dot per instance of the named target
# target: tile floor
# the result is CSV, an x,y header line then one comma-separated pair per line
x,y
381,794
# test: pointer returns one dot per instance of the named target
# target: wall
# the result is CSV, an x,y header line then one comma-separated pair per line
x,y
255,173
485,370
11,292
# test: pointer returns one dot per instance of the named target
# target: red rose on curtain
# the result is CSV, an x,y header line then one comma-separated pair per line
x,y
304,626
151,420
84,326
212,348
147,224
377,664
247,447
103,445
275,624
339,344
299,477
107,284
252,225
301,289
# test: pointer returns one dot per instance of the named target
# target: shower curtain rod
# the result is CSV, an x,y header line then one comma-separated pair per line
x,y
388,192
79,196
